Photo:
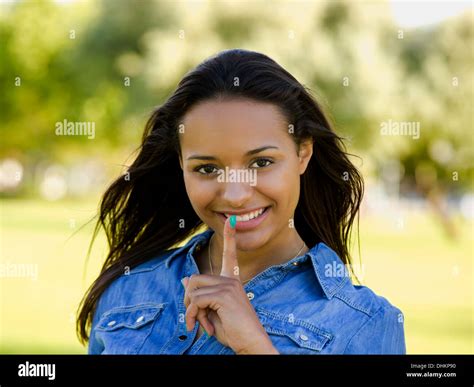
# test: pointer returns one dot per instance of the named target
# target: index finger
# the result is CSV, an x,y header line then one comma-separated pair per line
x,y
230,264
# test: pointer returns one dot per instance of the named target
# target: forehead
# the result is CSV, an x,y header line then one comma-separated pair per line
x,y
236,123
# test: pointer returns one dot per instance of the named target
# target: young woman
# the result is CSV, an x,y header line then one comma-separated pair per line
x,y
242,159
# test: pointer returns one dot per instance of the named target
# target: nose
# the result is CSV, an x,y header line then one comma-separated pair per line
x,y
236,194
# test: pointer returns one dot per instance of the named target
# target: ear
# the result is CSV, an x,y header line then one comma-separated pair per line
x,y
304,154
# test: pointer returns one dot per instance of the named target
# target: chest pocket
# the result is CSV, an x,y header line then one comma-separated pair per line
x,y
123,330
291,335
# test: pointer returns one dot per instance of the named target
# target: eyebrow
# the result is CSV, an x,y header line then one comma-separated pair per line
x,y
249,153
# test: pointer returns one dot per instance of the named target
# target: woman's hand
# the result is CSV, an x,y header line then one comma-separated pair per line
x,y
221,305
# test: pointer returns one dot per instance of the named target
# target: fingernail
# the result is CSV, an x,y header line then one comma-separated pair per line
x,y
182,281
233,221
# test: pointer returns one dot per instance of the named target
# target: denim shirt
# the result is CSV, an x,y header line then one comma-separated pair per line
x,y
305,306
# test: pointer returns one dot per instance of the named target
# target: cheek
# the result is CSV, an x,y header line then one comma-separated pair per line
x,y
282,187
200,192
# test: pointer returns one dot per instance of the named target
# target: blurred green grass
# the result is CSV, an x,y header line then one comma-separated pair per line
x,y
416,267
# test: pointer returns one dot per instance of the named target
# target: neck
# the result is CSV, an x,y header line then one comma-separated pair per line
x,y
277,251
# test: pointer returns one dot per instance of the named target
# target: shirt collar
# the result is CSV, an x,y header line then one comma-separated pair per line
x,y
330,271
191,245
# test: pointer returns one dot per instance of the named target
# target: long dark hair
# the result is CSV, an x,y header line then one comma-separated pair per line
x,y
147,211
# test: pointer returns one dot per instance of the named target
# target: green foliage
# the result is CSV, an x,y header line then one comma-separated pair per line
x,y
423,77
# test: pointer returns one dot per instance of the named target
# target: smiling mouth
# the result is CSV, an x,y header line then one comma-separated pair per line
x,y
249,216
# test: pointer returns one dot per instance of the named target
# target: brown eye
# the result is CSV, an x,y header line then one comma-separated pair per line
x,y
208,169
262,160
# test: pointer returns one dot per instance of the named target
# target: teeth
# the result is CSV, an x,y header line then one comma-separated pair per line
x,y
249,216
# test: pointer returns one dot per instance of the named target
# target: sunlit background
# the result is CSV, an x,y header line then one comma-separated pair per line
x,y
396,79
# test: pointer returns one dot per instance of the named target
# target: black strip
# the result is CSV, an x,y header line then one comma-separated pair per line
x,y
295,370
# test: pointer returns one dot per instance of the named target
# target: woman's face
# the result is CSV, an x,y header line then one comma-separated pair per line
x,y
217,136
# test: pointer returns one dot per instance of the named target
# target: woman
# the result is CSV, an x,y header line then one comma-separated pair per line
x,y
242,152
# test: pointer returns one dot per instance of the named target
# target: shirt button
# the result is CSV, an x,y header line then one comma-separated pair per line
x,y
140,319
304,337
112,323
295,263
250,296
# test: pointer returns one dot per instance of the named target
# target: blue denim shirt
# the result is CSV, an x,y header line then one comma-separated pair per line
x,y
305,306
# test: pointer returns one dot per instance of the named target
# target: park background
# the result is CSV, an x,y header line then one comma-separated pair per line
x,y
110,62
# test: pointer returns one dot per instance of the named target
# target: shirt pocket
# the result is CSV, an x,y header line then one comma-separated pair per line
x,y
290,336
293,336
123,330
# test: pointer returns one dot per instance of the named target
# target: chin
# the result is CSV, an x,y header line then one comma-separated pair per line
x,y
249,241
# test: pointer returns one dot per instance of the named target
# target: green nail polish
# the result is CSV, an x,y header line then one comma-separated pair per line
x,y
233,221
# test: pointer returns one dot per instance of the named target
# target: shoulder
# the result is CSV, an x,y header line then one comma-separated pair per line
x,y
125,289
364,300
128,287
379,325
369,322
156,275
335,281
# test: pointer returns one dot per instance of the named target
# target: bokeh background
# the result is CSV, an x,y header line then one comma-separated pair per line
x,y
370,63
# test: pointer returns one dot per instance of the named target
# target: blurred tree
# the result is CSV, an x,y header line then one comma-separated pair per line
x,y
81,63
110,63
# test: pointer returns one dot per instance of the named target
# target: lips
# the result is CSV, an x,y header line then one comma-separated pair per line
x,y
247,224
246,216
